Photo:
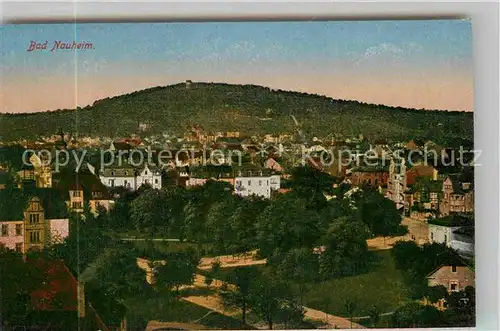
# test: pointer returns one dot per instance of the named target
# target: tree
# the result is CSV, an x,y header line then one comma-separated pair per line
x,y
243,222
416,315
216,266
287,223
301,266
379,214
115,272
208,280
312,184
219,226
345,248
436,293
272,301
238,295
179,270
148,211
461,310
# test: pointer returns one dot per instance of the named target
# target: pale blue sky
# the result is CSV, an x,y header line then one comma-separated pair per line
x,y
265,53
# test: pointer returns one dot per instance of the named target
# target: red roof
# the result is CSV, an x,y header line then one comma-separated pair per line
x,y
59,289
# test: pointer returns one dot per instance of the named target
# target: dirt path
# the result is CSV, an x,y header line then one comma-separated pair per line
x,y
418,231
228,261
213,302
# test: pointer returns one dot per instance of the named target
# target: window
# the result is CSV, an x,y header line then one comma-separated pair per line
x,y
445,239
454,268
249,182
34,218
454,287
76,193
112,173
35,237
19,229
19,247
432,236
260,183
5,230
156,181
125,183
126,173
76,205
112,182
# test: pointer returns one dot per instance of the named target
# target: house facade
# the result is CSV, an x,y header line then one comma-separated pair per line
x,y
454,277
150,176
457,197
119,176
35,231
372,176
453,232
256,183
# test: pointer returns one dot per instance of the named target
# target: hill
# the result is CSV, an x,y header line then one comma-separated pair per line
x,y
247,108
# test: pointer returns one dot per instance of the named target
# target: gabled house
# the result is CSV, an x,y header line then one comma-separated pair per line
x,y
78,189
31,222
457,196
149,175
455,277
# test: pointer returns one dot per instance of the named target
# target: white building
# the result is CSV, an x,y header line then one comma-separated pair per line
x,y
453,235
256,183
123,176
150,176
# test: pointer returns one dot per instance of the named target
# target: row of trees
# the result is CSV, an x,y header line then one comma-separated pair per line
x,y
211,214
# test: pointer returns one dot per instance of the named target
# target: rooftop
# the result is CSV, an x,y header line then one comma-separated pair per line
x,y
453,220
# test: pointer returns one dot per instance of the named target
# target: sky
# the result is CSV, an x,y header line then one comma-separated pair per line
x,y
423,64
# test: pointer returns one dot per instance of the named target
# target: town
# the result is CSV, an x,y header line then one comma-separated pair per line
x,y
227,230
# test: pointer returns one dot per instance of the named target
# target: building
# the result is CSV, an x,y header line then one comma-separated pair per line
x,y
396,184
420,171
455,277
426,194
29,227
117,146
457,196
248,183
56,300
79,189
455,231
149,175
373,176
272,164
119,175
